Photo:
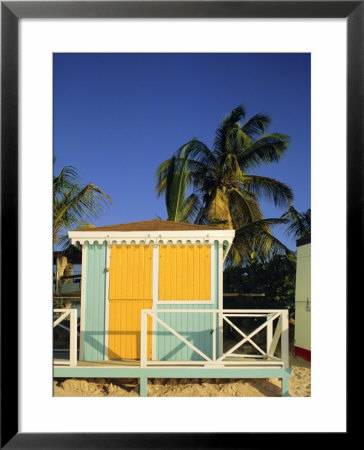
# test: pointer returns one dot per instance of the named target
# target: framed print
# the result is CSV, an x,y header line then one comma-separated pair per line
x,y
34,36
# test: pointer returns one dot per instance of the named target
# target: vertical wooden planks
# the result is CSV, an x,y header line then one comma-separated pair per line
x,y
94,331
131,272
184,272
130,292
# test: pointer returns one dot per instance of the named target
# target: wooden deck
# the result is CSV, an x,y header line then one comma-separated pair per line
x,y
235,361
132,369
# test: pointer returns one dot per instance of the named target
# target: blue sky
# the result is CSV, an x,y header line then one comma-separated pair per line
x,y
118,116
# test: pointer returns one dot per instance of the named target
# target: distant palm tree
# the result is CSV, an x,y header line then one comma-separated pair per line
x,y
299,224
228,195
74,204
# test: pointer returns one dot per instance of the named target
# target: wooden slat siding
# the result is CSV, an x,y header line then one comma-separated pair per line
x,y
94,334
130,292
179,274
194,327
184,272
125,337
131,272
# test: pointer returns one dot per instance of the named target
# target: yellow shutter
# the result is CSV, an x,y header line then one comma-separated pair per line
x,y
131,272
184,272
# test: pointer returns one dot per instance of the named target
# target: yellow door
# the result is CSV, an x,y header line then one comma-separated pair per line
x,y
130,291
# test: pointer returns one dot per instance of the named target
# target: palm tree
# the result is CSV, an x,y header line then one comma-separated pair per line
x,y
179,207
74,204
255,241
228,195
299,224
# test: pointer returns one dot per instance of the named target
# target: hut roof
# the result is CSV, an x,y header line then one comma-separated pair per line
x,y
155,225
152,232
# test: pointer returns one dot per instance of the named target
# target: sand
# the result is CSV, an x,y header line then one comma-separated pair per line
x,y
299,386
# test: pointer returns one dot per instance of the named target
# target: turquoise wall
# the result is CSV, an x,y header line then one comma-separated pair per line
x,y
195,327
95,282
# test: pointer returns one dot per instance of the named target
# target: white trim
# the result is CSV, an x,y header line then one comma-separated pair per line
x,y
243,334
155,273
83,302
107,304
62,317
194,237
245,315
220,298
285,339
73,337
72,329
212,273
269,337
214,336
210,301
204,364
227,250
184,302
268,357
277,334
248,337
251,312
155,290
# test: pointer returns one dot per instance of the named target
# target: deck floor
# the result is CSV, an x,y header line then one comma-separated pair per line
x,y
232,362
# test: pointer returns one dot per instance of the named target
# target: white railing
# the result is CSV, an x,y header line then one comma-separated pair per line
x,y
73,331
218,357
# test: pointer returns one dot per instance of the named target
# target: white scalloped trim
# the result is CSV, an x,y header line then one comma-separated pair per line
x,y
142,238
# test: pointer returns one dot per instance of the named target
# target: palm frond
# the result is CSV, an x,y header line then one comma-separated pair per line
x,y
74,204
256,126
229,122
271,189
299,224
176,186
255,237
243,207
268,149
190,208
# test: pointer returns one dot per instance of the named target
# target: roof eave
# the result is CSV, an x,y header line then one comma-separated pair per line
x,y
152,237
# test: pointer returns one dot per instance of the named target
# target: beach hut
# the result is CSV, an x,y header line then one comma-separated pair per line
x,y
302,334
173,270
152,307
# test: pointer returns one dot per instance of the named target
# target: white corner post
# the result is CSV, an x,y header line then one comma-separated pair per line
x,y
155,294
83,300
220,298
285,339
107,304
269,333
214,336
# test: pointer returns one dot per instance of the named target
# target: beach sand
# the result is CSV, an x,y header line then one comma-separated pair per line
x,y
299,386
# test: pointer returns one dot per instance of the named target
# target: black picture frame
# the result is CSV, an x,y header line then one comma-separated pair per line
x,y
11,12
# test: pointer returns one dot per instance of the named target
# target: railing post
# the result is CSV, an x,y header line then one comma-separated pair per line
x,y
285,339
214,337
143,339
269,333
73,337
221,332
